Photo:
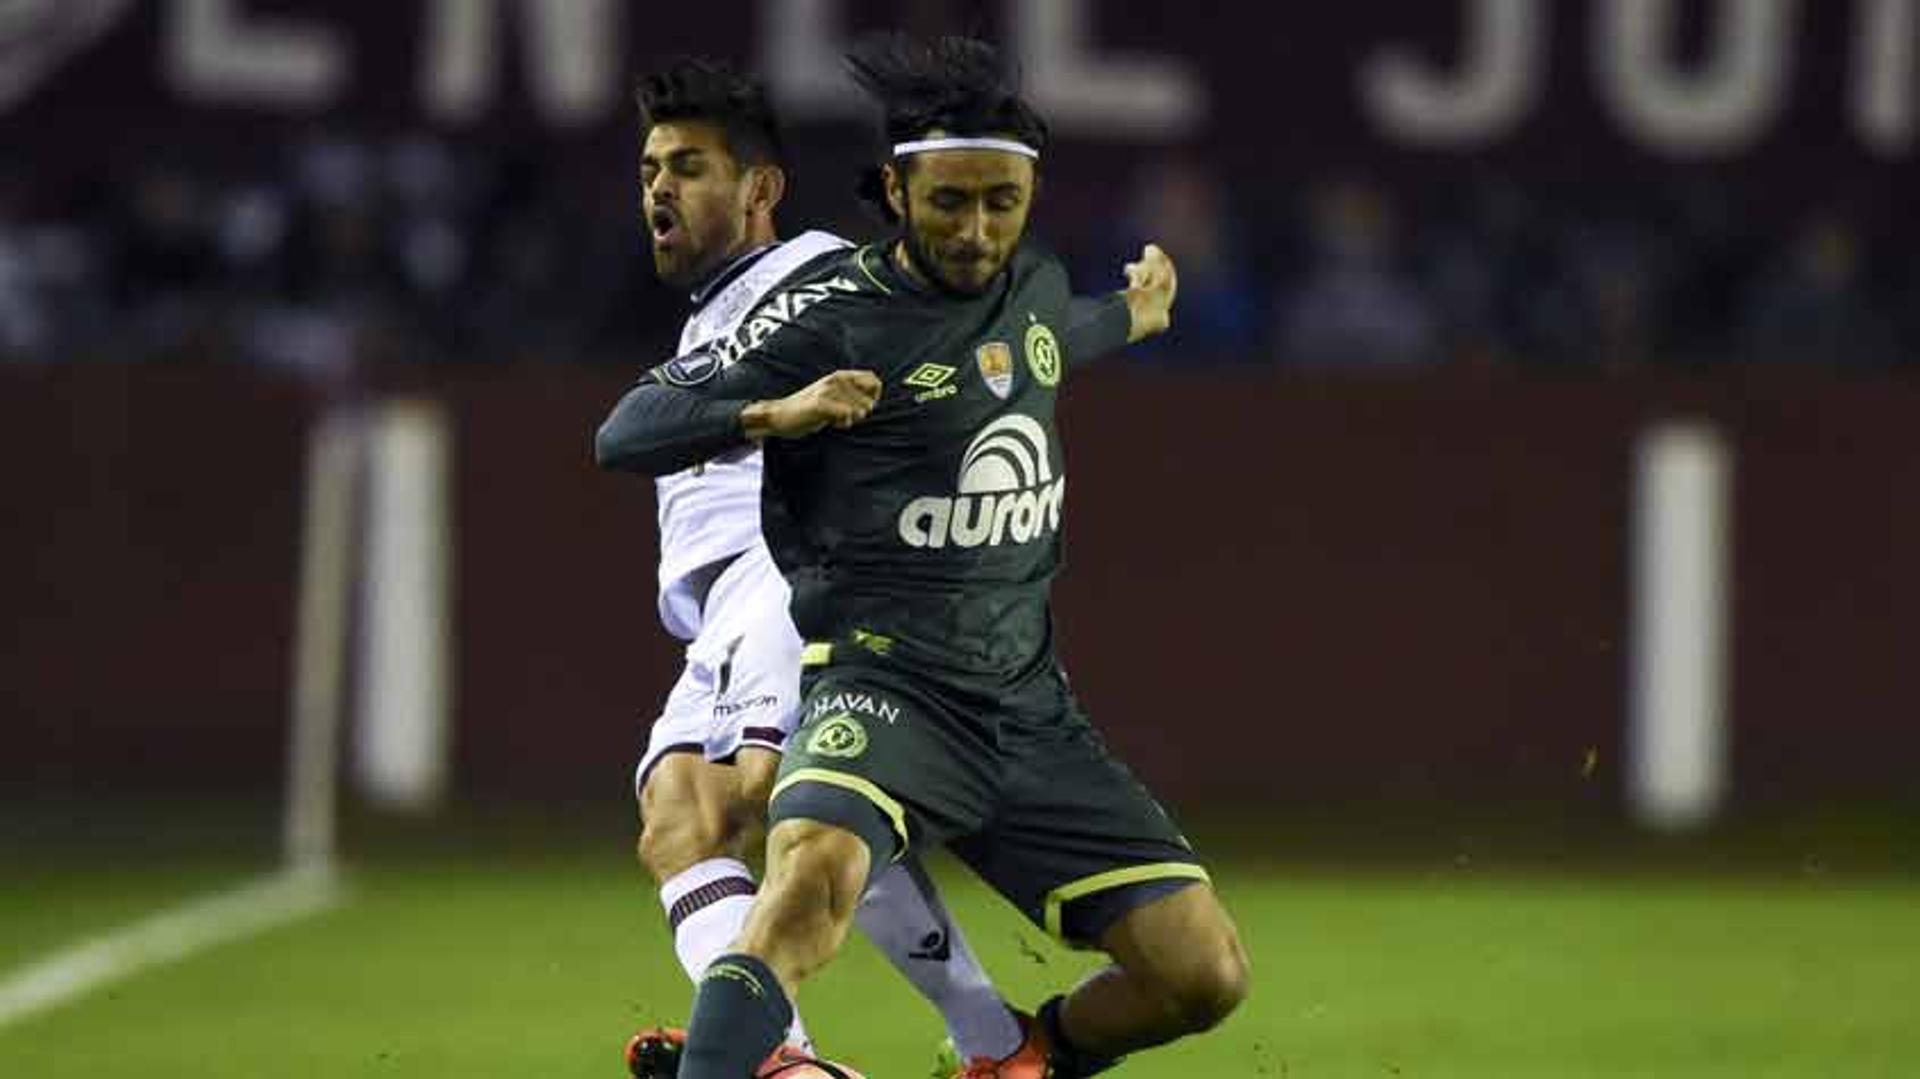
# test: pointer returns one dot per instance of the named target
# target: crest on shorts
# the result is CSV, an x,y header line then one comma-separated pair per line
x,y
1043,354
996,367
838,736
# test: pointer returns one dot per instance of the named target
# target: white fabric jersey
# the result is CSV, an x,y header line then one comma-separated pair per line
x,y
712,511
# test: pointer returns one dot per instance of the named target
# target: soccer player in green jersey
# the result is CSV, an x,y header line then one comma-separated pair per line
x,y
711,178
904,396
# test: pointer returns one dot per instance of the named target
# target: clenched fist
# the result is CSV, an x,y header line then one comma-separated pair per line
x,y
1151,285
840,399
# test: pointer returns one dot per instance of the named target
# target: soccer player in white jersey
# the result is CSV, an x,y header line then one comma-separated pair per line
x,y
711,178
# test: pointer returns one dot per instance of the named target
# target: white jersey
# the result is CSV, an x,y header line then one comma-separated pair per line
x,y
712,511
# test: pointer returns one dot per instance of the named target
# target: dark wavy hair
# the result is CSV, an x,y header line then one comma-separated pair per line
x,y
697,88
956,85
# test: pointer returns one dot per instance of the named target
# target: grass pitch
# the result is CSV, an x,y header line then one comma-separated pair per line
x,y
474,960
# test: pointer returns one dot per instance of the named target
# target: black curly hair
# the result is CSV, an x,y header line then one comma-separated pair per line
x,y
698,88
955,85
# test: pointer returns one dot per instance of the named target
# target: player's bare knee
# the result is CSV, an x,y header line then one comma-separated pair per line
x,y
1208,992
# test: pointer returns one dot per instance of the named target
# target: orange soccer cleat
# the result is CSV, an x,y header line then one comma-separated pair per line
x,y
1027,1062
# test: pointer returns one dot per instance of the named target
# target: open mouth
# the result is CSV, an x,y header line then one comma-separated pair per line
x,y
666,226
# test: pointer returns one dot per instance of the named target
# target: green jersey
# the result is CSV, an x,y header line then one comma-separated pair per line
x,y
930,531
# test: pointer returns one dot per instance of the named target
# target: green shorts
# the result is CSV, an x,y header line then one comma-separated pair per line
x,y
1017,784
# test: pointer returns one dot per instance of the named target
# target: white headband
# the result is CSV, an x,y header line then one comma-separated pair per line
x,y
922,146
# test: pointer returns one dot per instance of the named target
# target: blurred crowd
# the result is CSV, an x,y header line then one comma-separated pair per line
x,y
342,253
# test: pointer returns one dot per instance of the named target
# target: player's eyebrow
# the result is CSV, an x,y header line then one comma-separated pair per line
x,y
683,154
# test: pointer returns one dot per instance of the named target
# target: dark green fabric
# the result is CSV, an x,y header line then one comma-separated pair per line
x,y
1018,785
931,528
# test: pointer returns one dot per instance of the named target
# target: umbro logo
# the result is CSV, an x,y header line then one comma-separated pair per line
x,y
933,380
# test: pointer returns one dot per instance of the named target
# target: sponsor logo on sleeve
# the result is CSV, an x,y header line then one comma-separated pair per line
x,y
690,370
775,314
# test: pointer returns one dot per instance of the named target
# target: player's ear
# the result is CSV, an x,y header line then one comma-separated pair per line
x,y
895,183
766,186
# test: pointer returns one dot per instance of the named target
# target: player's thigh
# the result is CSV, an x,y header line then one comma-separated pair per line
x,y
888,762
690,810
1077,842
755,769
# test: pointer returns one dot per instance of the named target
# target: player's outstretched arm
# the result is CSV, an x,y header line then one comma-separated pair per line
x,y
1098,325
658,428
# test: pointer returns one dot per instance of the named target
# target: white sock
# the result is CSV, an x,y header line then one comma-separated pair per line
x,y
707,906
903,916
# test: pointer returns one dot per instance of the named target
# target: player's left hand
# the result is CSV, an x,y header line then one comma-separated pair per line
x,y
1151,285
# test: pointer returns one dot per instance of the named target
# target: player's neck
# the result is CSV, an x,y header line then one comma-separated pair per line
x,y
731,264
902,257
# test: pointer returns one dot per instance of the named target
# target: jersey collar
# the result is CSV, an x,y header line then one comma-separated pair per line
x,y
729,273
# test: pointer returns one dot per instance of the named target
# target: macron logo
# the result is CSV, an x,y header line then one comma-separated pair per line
x,y
1007,490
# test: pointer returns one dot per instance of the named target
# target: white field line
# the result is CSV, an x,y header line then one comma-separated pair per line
x,y
166,937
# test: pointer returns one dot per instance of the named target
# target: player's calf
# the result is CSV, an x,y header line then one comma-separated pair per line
x,y
815,874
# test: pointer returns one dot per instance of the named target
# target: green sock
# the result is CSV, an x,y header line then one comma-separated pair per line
x,y
740,1014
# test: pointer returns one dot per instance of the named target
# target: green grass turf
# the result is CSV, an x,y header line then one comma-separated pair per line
x,y
469,962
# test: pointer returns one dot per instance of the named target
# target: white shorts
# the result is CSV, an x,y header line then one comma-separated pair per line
x,y
741,685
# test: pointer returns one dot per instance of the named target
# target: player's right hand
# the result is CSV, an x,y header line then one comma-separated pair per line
x,y
840,399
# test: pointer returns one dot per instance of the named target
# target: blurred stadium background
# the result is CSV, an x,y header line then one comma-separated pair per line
x,y
1507,565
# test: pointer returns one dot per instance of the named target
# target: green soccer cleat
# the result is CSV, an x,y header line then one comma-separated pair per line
x,y
947,1061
